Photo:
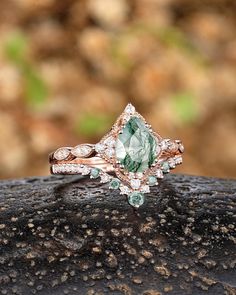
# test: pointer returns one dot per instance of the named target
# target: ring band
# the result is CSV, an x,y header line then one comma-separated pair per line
x,y
131,157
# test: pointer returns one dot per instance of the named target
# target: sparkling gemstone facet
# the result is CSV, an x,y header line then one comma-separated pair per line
x,y
61,153
159,173
136,147
82,150
136,199
130,109
135,183
99,147
105,178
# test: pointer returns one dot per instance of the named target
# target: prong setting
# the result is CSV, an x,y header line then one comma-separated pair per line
x,y
138,158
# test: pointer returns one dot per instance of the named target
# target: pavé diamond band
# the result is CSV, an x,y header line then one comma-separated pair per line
x,y
131,157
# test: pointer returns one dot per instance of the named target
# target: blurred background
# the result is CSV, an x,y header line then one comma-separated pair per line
x,y
68,68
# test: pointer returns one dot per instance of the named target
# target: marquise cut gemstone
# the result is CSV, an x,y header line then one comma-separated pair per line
x,y
136,147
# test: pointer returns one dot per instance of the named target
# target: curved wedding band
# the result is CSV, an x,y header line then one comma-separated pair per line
x,y
131,157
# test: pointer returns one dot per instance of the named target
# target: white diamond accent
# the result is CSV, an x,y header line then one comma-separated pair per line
x,y
173,146
105,178
171,163
181,147
124,190
82,150
164,144
110,141
66,168
139,174
178,160
131,175
159,174
85,170
99,147
145,189
126,118
135,183
109,152
130,109
61,153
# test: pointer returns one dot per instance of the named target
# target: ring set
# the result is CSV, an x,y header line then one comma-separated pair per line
x,y
131,157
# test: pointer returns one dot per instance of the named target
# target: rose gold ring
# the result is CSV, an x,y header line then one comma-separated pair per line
x,y
131,157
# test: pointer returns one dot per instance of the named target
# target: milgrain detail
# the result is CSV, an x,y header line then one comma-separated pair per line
x,y
132,151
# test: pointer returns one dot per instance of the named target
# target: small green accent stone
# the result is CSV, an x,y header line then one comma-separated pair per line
x,y
94,173
165,167
114,183
136,199
136,147
152,180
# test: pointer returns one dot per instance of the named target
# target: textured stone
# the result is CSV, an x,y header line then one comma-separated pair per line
x,y
136,146
70,235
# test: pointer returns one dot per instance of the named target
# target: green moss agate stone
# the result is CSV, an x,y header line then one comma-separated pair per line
x,y
136,199
136,147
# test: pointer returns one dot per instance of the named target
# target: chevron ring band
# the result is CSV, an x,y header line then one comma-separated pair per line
x,y
130,158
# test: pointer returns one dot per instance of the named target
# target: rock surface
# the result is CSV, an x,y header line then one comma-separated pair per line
x,y
71,235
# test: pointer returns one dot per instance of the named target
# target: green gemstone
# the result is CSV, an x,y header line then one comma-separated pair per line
x,y
94,173
136,199
114,183
136,147
165,167
152,180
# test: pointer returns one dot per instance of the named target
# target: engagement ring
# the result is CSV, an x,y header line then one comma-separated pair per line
x,y
131,157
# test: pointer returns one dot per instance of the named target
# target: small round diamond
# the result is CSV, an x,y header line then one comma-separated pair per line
x,y
178,160
145,189
104,178
136,199
173,146
131,175
61,154
171,163
124,190
139,174
135,183
85,170
159,173
164,144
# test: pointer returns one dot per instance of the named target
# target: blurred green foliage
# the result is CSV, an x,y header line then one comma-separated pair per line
x,y
16,49
185,107
169,36
91,125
